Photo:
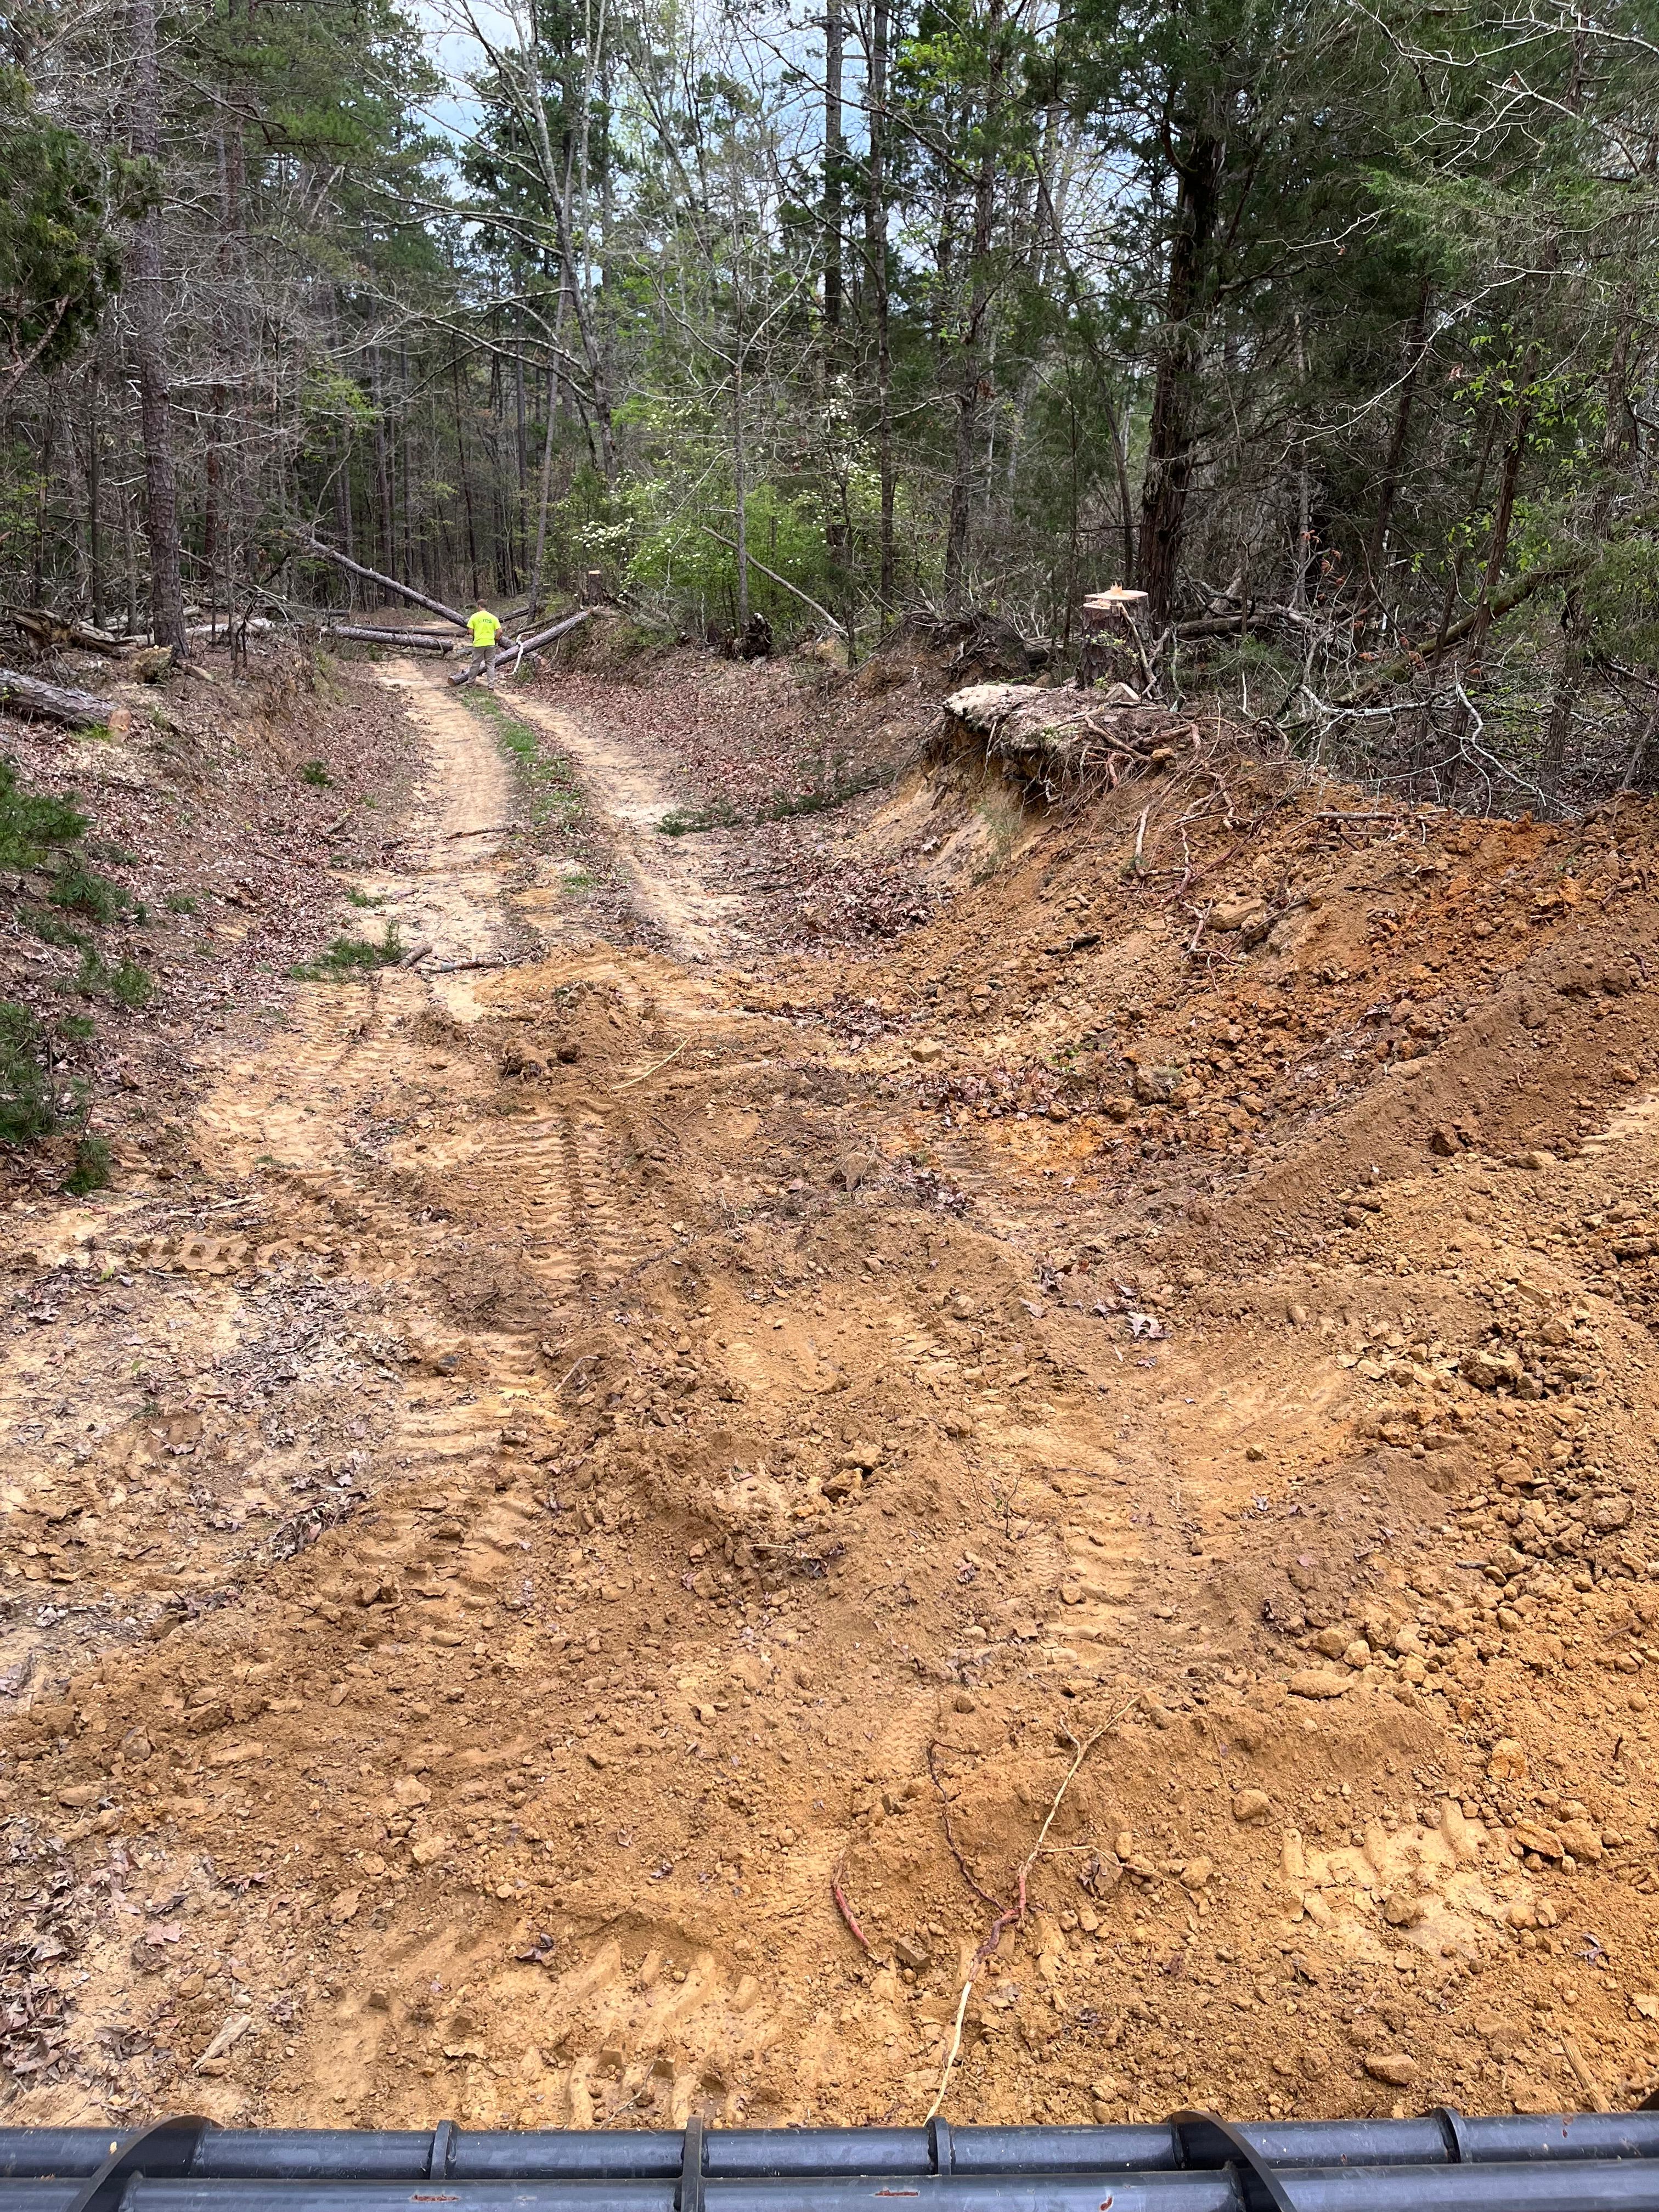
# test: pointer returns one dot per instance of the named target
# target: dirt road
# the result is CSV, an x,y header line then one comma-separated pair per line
x,y
562,1585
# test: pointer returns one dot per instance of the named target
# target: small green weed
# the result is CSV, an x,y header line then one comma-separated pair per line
x,y
316,773
79,1029
352,956
688,821
363,898
126,982
28,1111
31,822
94,1167
823,798
50,929
578,880
111,854
180,903
79,889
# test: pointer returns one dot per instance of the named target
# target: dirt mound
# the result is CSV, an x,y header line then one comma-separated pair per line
x,y
564,1584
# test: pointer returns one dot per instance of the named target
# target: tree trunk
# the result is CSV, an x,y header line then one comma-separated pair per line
x,y
466,475
875,254
1502,520
144,312
739,474
972,379
835,35
541,503
1389,490
1167,478
95,498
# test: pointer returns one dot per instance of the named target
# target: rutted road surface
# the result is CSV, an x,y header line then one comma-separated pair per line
x,y
561,1584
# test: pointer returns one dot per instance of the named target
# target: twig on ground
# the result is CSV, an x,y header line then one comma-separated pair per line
x,y
846,1912
962,1864
629,1082
1586,2080
1014,1914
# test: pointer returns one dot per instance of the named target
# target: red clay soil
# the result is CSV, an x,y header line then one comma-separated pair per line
x,y
559,1576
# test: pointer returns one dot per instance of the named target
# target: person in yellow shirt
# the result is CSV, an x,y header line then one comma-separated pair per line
x,y
483,628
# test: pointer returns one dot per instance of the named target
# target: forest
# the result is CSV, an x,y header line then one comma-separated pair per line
x,y
1330,328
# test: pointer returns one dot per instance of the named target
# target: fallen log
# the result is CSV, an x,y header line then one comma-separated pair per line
x,y
81,710
546,636
414,640
773,577
386,583
50,631
518,646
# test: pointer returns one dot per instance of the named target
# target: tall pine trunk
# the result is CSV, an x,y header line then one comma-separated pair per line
x,y
971,381
875,254
144,314
1170,433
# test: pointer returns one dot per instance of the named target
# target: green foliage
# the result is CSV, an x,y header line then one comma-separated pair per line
x,y
32,823
315,772
353,956
49,928
28,1109
124,980
79,1029
552,794
687,821
60,255
823,798
111,854
1620,598
78,888
93,1169
180,903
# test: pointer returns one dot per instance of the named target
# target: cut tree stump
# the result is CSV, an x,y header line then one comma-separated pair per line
x,y
53,702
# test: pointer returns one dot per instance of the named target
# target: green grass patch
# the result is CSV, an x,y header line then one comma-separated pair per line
x,y
125,981
552,795
823,798
578,880
31,823
51,929
81,1029
688,821
82,891
352,956
363,898
29,1108
316,773
94,1167
180,903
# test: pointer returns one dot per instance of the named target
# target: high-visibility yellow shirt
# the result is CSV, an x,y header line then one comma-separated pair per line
x,y
483,627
